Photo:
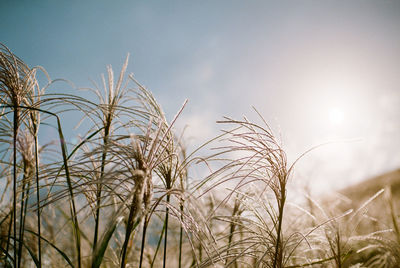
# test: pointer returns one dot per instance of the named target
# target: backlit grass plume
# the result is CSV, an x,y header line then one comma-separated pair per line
x,y
128,193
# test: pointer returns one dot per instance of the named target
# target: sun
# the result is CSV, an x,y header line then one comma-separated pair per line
x,y
336,116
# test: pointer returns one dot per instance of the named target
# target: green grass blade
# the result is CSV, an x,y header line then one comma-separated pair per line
x,y
99,252
158,245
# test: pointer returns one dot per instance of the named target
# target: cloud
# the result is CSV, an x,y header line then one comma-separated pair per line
x,y
198,127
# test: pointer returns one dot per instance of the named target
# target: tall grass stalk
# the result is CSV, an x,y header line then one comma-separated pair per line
x,y
14,86
33,126
166,231
112,98
181,206
15,133
73,211
144,231
39,237
183,182
235,212
265,153
25,148
134,214
158,245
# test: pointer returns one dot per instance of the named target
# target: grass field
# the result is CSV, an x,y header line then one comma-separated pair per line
x,y
126,194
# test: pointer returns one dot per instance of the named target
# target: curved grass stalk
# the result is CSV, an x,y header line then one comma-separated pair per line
x,y
71,192
69,181
62,253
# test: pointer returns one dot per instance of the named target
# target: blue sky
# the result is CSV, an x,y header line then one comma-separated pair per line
x,y
317,70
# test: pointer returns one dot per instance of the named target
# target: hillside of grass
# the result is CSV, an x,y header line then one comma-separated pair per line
x,y
362,191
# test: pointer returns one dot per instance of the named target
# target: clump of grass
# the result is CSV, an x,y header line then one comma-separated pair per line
x,y
123,191
380,248
259,160
18,88
14,86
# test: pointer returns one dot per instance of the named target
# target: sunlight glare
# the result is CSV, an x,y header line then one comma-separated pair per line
x,y
336,116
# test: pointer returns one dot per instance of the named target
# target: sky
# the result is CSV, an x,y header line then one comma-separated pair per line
x,y
318,71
